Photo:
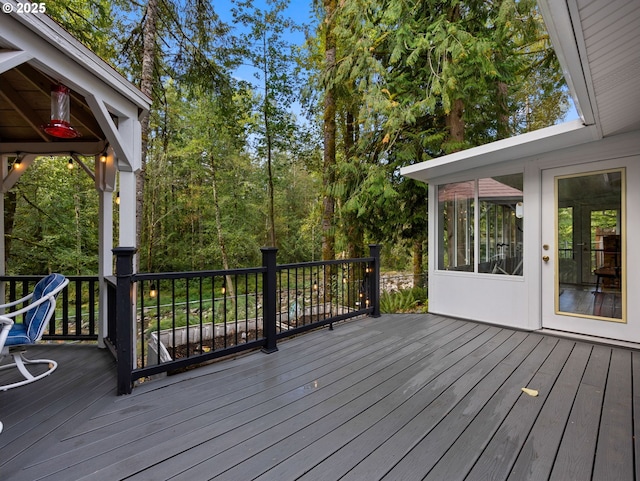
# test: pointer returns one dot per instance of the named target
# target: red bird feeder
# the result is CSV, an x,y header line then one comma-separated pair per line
x,y
59,125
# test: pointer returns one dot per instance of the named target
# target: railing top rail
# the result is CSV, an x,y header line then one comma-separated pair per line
x,y
324,263
148,276
38,277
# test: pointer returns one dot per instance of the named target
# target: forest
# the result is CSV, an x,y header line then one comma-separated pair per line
x,y
270,131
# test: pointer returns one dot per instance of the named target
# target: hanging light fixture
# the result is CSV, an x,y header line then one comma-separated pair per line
x,y
59,125
118,198
70,164
153,291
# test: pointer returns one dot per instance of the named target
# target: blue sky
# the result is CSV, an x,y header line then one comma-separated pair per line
x,y
299,12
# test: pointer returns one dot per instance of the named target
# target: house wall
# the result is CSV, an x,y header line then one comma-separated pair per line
x,y
516,301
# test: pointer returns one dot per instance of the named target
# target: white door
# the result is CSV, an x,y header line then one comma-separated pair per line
x,y
583,251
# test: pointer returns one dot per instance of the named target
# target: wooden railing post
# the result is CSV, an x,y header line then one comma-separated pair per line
x,y
269,298
124,316
374,251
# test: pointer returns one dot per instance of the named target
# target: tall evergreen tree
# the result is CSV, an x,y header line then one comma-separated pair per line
x,y
266,49
428,75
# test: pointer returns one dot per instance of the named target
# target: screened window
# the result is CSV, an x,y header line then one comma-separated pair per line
x,y
455,211
498,221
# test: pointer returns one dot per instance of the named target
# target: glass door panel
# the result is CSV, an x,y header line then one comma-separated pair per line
x,y
589,213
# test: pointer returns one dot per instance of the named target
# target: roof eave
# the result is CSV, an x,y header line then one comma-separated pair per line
x,y
530,144
55,35
562,22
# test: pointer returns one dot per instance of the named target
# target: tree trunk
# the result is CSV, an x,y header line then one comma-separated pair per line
x,y
221,241
455,123
10,205
149,31
270,187
329,119
355,235
267,134
503,111
418,274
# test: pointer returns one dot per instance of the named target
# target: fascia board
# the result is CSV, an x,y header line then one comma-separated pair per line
x,y
562,21
526,145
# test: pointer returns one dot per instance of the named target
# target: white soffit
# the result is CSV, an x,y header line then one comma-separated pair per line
x,y
598,45
526,145
565,32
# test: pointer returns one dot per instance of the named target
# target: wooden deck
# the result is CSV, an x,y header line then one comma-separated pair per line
x,y
401,397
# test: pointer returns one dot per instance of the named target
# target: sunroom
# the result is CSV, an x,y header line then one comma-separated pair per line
x,y
537,231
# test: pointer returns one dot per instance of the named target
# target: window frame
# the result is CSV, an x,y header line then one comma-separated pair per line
x,y
510,264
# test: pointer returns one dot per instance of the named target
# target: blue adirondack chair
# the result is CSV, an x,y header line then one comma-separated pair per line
x,y
15,335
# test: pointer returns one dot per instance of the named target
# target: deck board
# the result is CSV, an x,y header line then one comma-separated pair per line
x,y
533,463
614,452
265,403
40,413
290,459
305,411
501,452
464,451
397,397
574,460
445,430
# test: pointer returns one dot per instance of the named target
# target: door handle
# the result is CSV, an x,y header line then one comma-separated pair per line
x,y
545,258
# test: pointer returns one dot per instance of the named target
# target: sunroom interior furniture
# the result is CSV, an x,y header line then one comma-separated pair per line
x,y
609,273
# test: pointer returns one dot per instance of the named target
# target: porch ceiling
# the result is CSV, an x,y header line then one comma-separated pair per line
x,y
36,54
25,106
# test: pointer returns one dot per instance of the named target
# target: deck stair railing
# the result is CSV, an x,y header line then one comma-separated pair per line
x,y
76,315
187,318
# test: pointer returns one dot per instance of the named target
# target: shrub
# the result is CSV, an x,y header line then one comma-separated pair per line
x,y
404,300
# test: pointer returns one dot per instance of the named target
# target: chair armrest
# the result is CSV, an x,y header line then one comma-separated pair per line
x,y
5,325
19,301
16,313
42,300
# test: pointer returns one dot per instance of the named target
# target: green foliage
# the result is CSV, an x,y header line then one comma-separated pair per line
x,y
90,21
404,300
228,160
217,311
56,225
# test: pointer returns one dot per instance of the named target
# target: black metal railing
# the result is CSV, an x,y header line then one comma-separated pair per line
x,y
313,294
76,314
187,318
187,315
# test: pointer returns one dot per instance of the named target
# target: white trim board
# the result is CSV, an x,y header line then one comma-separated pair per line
x,y
530,144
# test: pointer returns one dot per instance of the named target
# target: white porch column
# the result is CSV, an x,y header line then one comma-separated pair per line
x,y
105,262
105,184
127,235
